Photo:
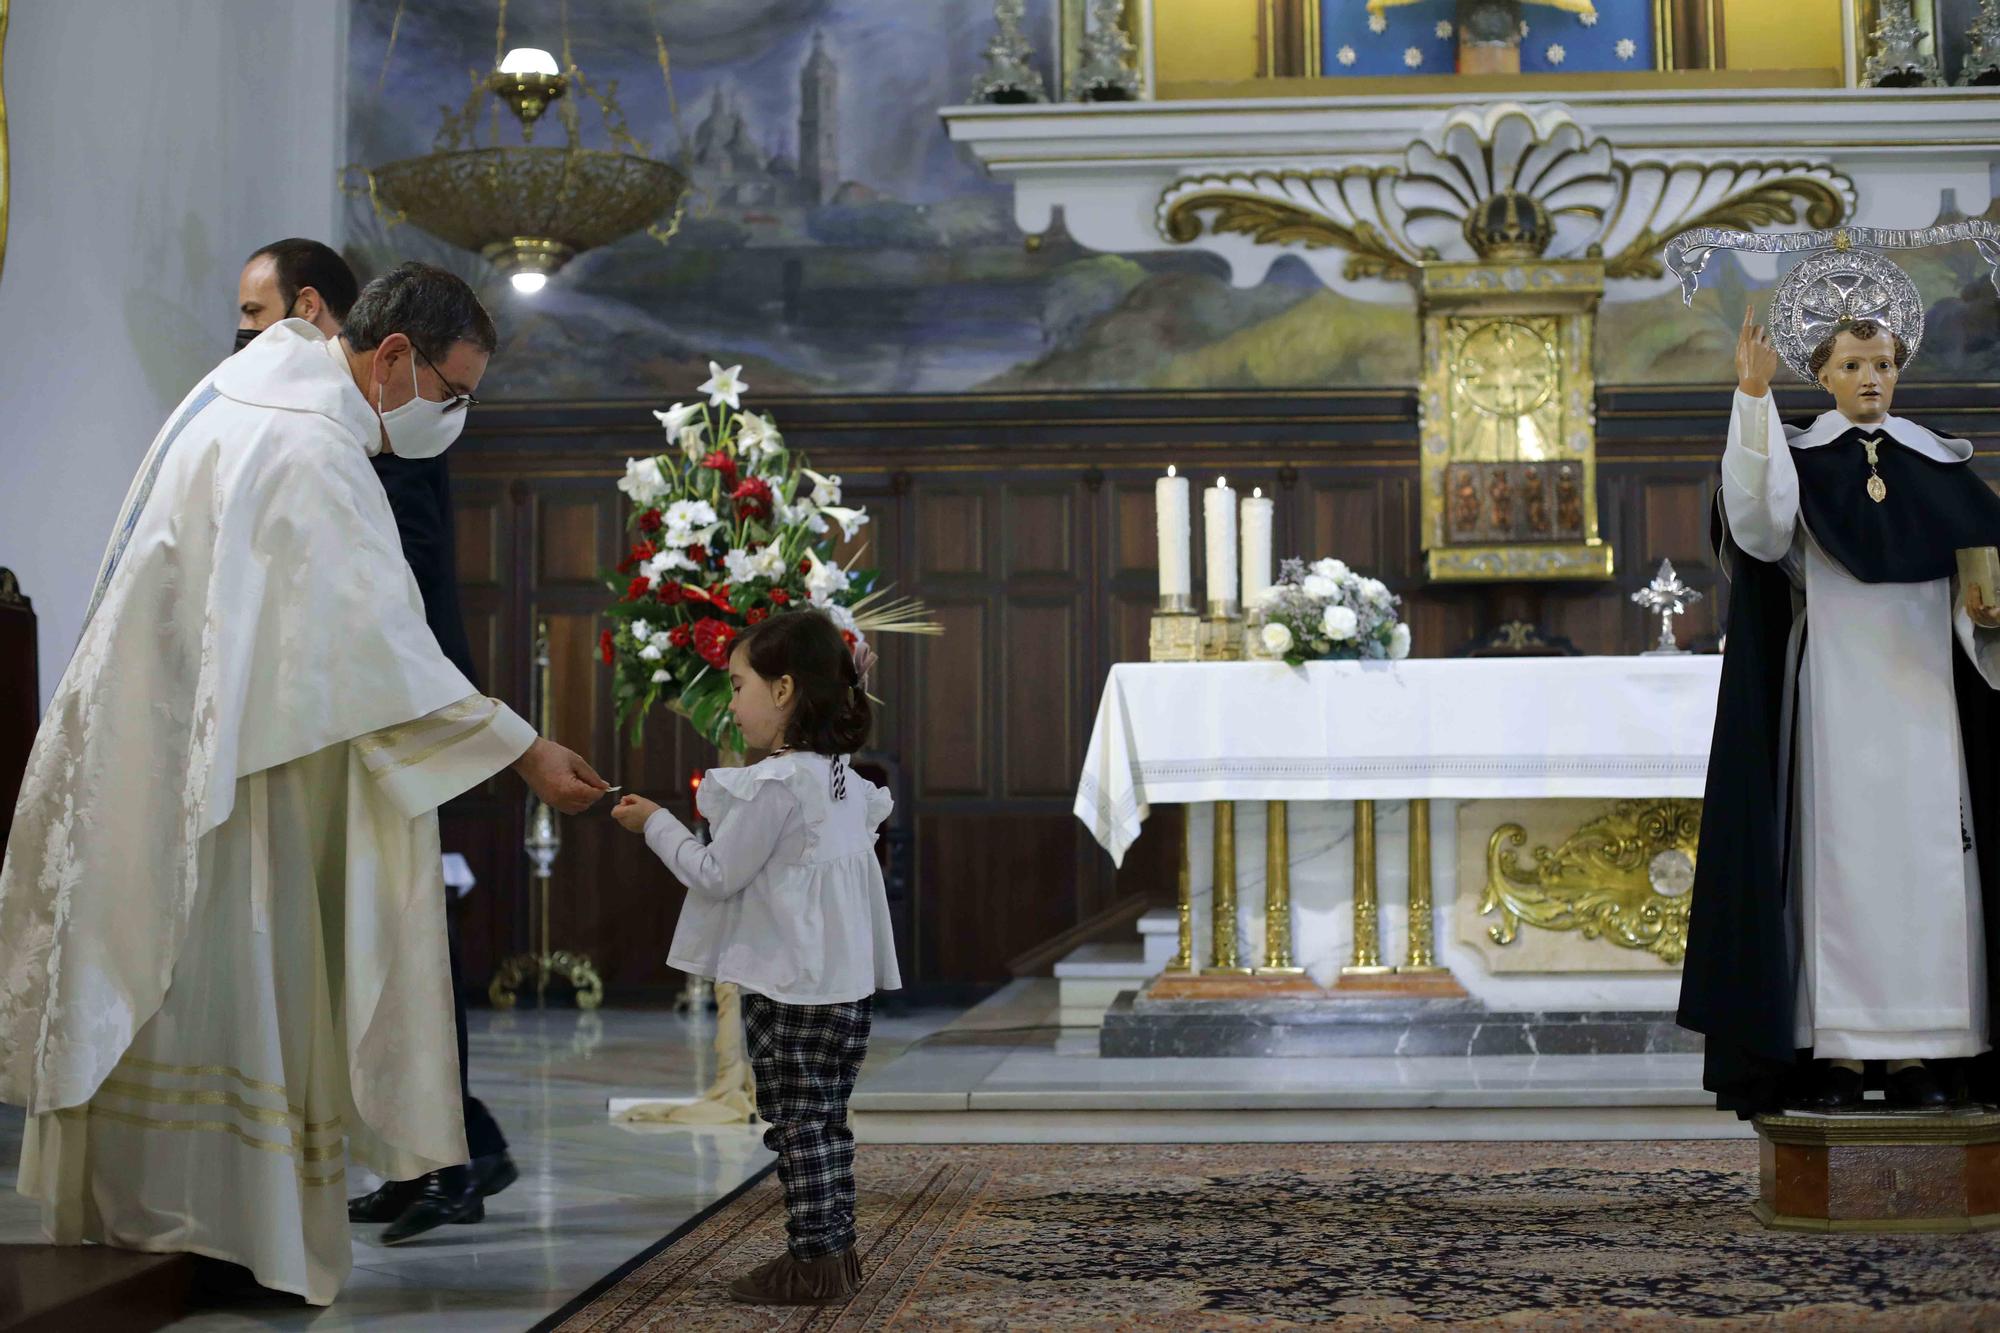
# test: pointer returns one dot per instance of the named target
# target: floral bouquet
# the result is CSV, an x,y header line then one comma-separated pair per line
x,y
1326,610
729,526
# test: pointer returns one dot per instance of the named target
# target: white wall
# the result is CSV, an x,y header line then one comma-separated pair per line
x,y
154,143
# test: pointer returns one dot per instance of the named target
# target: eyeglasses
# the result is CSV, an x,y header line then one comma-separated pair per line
x,y
458,402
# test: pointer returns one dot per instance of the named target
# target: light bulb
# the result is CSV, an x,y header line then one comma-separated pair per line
x,y
528,60
527,284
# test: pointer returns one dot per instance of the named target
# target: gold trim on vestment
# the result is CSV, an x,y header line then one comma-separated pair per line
x,y
431,752
200,1097
451,715
134,1064
301,1155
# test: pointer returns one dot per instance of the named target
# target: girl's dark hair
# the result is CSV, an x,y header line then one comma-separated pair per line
x,y
830,714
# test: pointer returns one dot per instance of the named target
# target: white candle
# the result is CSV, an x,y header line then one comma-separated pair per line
x,y
1218,513
1170,518
1256,547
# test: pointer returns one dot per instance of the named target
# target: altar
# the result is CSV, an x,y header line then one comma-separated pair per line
x,y
1362,826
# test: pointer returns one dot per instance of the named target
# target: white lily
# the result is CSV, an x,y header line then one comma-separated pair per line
x,y
694,440
676,417
725,386
757,437
738,563
823,580
851,520
826,490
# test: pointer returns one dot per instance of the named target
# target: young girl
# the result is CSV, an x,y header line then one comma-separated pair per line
x,y
787,902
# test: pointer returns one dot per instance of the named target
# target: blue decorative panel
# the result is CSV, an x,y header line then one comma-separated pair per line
x,y
1423,38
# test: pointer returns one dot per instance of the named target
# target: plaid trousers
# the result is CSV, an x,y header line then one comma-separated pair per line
x,y
806,1057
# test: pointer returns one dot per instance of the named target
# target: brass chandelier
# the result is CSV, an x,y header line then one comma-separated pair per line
x,y
529,210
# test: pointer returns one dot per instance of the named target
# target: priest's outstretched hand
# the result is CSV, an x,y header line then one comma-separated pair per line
x,y
560,776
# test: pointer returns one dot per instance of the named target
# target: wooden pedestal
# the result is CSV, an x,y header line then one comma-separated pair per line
x,y
1888,1171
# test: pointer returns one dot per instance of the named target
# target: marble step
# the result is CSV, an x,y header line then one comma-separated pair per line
x,y
1093,976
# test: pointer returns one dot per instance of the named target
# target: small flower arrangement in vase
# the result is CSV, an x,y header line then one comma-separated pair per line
x,y
1325,611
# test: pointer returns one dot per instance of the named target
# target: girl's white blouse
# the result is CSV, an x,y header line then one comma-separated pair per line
x,y
787,898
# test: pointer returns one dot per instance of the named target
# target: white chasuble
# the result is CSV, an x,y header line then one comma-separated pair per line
x,y
1891,938
221,912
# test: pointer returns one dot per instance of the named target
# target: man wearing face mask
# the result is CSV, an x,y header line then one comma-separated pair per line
x,y
313,283
293,279
222,932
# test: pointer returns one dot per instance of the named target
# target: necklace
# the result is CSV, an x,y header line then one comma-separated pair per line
x,y
1878,490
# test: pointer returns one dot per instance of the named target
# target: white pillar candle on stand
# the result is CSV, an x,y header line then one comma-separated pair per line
x,y
1170,518
1256,548
1218,513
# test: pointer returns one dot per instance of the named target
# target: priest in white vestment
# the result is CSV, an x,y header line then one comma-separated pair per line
x,y
222,948
1885,955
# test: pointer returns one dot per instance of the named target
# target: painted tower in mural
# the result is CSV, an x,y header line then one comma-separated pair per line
x,y
819,157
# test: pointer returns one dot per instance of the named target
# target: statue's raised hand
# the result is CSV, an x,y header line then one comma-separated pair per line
x,y
1756,359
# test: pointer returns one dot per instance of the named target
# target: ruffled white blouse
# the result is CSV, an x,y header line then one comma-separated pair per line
x,y
787,898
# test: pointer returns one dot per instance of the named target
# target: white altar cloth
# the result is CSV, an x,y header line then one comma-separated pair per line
x,y
1463,728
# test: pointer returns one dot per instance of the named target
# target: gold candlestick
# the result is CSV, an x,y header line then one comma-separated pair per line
x,y
1183,960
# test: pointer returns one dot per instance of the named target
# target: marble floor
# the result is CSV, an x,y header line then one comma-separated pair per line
x,y
591,1195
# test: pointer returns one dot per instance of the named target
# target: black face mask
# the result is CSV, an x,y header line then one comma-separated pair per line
x,y
244,337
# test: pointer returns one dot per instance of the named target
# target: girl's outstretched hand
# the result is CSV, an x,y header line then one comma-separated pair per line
x,y
632,812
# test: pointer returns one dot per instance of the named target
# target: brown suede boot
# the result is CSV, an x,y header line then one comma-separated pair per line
x,y
788,1281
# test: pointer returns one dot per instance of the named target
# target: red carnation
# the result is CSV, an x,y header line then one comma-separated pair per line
x,y
680,636
712,639
670,593
604,647
721,462
650,521
641,551
755,614
779,597
698,554
638,588
753,499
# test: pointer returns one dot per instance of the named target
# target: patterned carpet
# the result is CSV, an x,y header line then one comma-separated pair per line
x,y
1562,1236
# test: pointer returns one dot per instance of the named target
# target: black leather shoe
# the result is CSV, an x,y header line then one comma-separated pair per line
x,y
1917,1089
386,1204
1838,1090
495,1172
450,1195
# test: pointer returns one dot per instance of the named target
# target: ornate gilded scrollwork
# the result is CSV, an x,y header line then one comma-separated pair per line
x,y
1624,877
1315,209
1495,172
577,970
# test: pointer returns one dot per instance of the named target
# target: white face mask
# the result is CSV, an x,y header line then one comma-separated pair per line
x,y
419,428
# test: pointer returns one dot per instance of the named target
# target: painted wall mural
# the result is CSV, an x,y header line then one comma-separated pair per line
x,y
843,244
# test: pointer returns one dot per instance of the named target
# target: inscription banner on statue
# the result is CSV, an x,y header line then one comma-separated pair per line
x,y
1451,728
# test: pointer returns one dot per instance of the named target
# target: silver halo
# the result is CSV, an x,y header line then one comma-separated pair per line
x,y
1834,285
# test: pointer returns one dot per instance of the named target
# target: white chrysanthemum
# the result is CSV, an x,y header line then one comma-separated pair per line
x,y
645,480
768,563
1443,28
1339,623
737,563
1399,642
1412,57
1320,588
1555,53
1277,638
1626,48
1378,23
1345,55
666,562
688,514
